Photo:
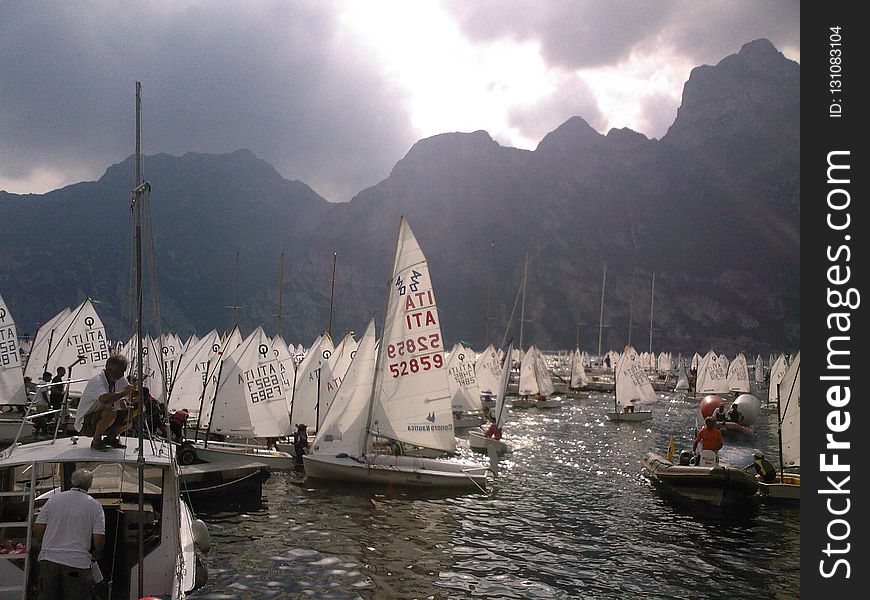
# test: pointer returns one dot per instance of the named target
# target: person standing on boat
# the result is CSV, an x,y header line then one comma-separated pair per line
x,y
300,441
764,469
709,437
55,398
102,407
69,524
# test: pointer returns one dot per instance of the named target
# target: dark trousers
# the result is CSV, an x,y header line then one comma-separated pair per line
x,y
60,582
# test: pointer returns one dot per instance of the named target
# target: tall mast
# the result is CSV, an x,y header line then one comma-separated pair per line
x,y
523,306
630,306
332,294
652,298
488,294
280,297
601,314
140,191
235,284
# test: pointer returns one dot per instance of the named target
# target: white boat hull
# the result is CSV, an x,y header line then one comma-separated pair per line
x,y
275,460
405,471
523,403
467,420
479,442
789,489
638,415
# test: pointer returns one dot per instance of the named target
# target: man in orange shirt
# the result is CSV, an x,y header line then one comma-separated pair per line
x,y
709,437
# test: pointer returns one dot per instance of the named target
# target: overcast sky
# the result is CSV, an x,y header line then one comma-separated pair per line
x,y
334,93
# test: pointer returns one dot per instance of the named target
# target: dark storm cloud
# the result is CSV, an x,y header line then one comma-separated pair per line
x,y
275,77
589,34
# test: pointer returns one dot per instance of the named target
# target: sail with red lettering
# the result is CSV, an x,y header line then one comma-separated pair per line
x,y
343,428
306,395
333,371
411,397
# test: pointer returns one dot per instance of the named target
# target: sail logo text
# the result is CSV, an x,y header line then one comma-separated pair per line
x,y
429,428
840,300
262,383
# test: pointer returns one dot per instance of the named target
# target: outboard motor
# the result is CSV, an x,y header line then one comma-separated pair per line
x,y
708,459
685,458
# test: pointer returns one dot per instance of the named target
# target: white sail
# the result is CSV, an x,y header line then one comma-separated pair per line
x,y
461,380
682,379
212,378
11,372
712,377
528,385
251,397
632,382
487,371
696,362
500,400
777,372
284,356
790,409
80,334
738,375
578,373
759,370
303,405
343,427
542,374
664,363
613,357
190,379
37,359
723,360
411,399
333,371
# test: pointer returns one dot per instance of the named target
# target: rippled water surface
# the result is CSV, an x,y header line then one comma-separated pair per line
x,y
570,515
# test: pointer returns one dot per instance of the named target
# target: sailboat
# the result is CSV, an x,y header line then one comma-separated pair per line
x,y
12,392
396,391
464,391
528,388
632,387
487,372
493,444
777,373
577,378
712,376
738,375
788,483
544,398
682,384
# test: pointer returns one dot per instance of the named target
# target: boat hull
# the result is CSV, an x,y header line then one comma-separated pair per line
x,y
631,417
404,471
480,443
467,420
718,485
548,403
786,488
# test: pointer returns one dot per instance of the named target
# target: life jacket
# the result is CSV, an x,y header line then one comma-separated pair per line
x,y
766,469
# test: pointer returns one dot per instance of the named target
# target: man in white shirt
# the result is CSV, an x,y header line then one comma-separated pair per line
x,y
68,525
102,407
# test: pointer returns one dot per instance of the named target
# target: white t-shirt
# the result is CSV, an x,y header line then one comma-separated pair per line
x,y
71,519
96,387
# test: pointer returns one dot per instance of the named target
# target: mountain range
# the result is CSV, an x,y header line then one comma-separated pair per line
x,y
712,208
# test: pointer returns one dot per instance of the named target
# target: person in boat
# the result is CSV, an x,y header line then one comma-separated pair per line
x,y
397,448
69,525
628,408
152,413
300,441
55,398
177,421
493,432
764,469
709,438
734,414
720,414
103,407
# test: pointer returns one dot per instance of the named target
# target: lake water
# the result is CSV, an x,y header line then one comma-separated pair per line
x,y
570,515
